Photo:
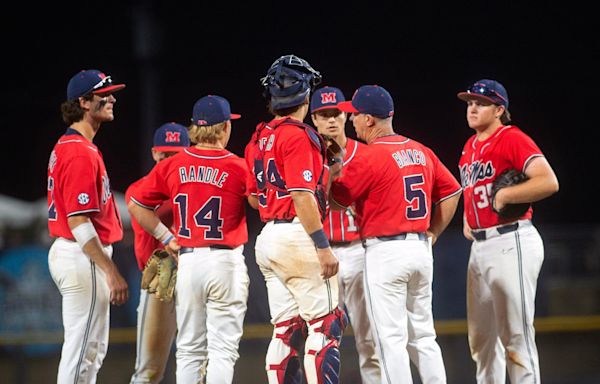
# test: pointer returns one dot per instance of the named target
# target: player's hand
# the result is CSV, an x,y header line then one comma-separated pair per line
x,y
173,248
119,292
498,202
432,236
335,170
329,263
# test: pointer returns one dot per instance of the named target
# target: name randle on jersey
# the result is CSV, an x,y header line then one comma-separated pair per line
x,y
202,174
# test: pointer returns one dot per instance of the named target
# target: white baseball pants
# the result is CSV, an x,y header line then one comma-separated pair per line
x,y
501,287
85,311
156,329
398,284
352,295
288,261
210,304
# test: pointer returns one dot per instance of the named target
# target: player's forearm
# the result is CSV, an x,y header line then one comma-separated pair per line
x,y
145,217
535,189
307,211
541,184
443,214
91,244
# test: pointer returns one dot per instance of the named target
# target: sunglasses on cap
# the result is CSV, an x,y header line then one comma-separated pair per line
x,y
484,90
103,83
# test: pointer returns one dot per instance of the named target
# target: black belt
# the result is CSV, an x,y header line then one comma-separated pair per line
x,y
402,236
212,246
339,243
282,221
482,235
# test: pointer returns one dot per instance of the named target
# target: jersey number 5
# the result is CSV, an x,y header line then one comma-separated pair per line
x,y
208,216
415,197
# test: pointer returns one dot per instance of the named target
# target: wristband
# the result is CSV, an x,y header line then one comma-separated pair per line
x,y
168,239
162,233
84,233
320,238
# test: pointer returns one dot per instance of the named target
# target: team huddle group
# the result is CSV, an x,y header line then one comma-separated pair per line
x,y
348,236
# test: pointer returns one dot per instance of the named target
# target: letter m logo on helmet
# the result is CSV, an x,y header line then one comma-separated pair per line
x,y
172,137
328,98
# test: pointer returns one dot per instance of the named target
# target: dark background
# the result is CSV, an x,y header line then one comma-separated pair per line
x,y
169,55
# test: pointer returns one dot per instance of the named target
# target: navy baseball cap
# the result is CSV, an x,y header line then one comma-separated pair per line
x,y
211,110
486,89
171,137
91,81
326,98
372,100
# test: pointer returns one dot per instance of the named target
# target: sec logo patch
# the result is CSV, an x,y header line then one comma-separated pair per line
x,y
83,198
307,175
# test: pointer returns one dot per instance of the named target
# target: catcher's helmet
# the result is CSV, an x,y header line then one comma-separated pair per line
x,y
288,82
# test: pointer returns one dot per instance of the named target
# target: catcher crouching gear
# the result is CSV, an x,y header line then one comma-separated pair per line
x,y
509,178
160,275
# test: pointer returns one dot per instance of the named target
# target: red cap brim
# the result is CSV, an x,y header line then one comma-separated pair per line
x,y
466,96
169,149
234,116
108,90
346,106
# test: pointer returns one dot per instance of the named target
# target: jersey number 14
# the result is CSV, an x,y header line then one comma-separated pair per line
x,y
208,216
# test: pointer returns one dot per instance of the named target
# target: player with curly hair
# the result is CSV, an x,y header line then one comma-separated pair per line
x,y
84,220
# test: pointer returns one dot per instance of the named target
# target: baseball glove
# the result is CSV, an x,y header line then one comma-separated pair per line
x,y
509,178
150,272
335,153
167,277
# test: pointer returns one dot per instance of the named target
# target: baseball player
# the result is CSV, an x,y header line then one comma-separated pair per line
x,y
506,256
156,319
394,182
341,228
207,186
292,250
83,217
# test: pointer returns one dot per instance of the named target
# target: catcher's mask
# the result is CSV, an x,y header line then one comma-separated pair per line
x,y
289,81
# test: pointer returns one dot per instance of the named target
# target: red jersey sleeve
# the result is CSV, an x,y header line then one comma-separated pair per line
x,y
354,182
445,184
249,157
520,154
153,189
81,192
302,162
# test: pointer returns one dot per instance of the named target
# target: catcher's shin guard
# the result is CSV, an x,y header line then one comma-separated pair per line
x,y
283,363
322,357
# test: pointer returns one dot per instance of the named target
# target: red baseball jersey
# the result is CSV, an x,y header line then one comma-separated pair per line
x,y
342,226
393,183
208,190
145,243
284,158
482,161
251,154
78,185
